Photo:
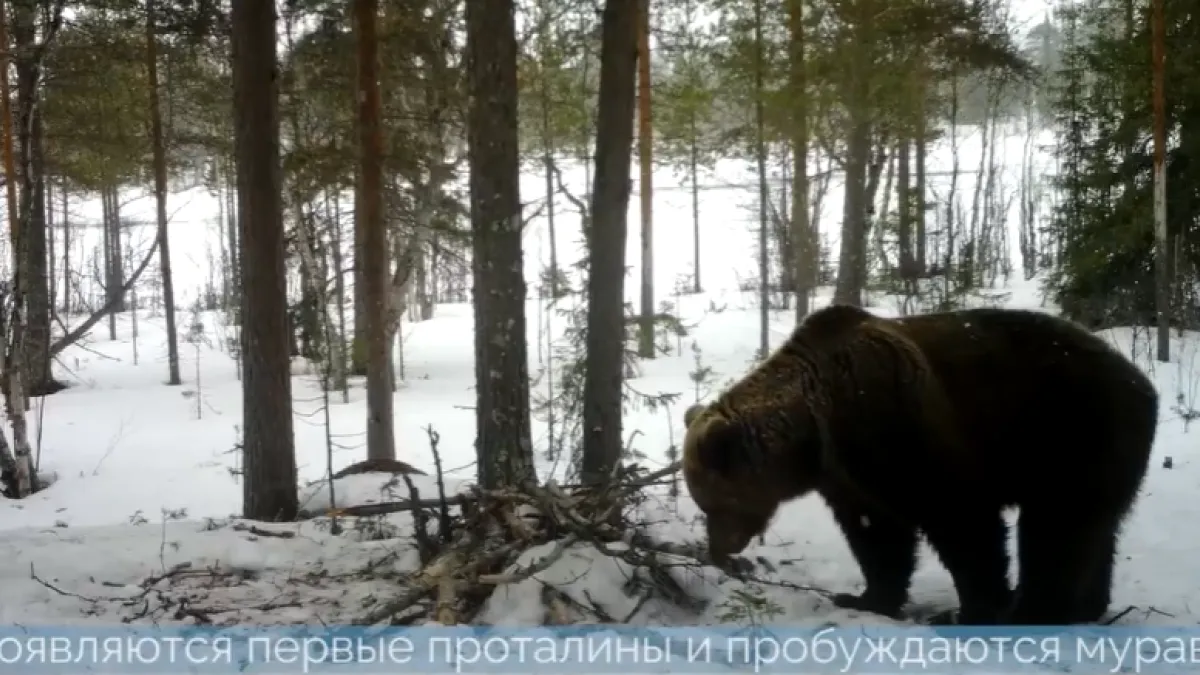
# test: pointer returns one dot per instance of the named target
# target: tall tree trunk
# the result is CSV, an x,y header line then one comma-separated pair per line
x,y
358,343
908,263
804,240
694,172
951,227
374,261
67,287
764,196
270,491
646,184
16,465
1162,252
503,444
109,279
605,342
233,233
548,146
222,235
852,261
33,275
160,197
920,136
116,256
340,374
51,244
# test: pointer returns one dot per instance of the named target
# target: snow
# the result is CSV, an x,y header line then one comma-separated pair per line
x,y
145,478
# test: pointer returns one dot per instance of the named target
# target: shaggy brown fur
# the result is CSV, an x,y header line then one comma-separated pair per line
x,y
934,424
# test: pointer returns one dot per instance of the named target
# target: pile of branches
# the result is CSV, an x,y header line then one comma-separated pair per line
x,y
477,549
468,545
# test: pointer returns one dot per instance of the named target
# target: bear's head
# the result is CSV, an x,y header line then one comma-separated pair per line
x,y
729,475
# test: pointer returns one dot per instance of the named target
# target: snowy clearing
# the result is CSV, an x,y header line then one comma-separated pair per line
x,y
144,487
137,526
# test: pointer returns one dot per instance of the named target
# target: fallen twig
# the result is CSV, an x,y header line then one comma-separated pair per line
x,y
260,532
65,593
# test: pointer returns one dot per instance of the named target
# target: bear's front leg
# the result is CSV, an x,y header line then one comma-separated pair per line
x,y
972,543
886,551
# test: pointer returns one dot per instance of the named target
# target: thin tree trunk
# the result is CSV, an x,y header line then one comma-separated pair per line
x,y
51,250
32,275
111,281
358,343
160,197
548,149
904,194
921,243
66,261
646,184
222,223
116,255
374,262
804,241
694,171
764,198
17,468
1162,253
233,233
605,342
952,196
341,379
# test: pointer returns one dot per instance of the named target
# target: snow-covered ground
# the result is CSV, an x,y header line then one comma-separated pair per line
x,y
146,484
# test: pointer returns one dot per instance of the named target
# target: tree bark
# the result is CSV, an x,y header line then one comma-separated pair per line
x,y
503,443
857,86
804,240
605,342
270,491
374,261
160,198
646,184
34,274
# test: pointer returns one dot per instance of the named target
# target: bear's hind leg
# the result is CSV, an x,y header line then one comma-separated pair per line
x,y
1096,592
886,551
1066,561
972,544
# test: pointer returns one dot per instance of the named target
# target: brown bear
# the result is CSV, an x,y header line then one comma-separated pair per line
x,y
933,424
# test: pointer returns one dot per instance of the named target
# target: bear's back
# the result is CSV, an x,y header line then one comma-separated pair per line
x,y
1026,388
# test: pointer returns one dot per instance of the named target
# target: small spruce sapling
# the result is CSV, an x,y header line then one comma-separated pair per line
x,y
196,337
168,515
668,325
701,375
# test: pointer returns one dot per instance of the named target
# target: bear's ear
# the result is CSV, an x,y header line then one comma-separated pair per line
x,y
721,448
692,413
